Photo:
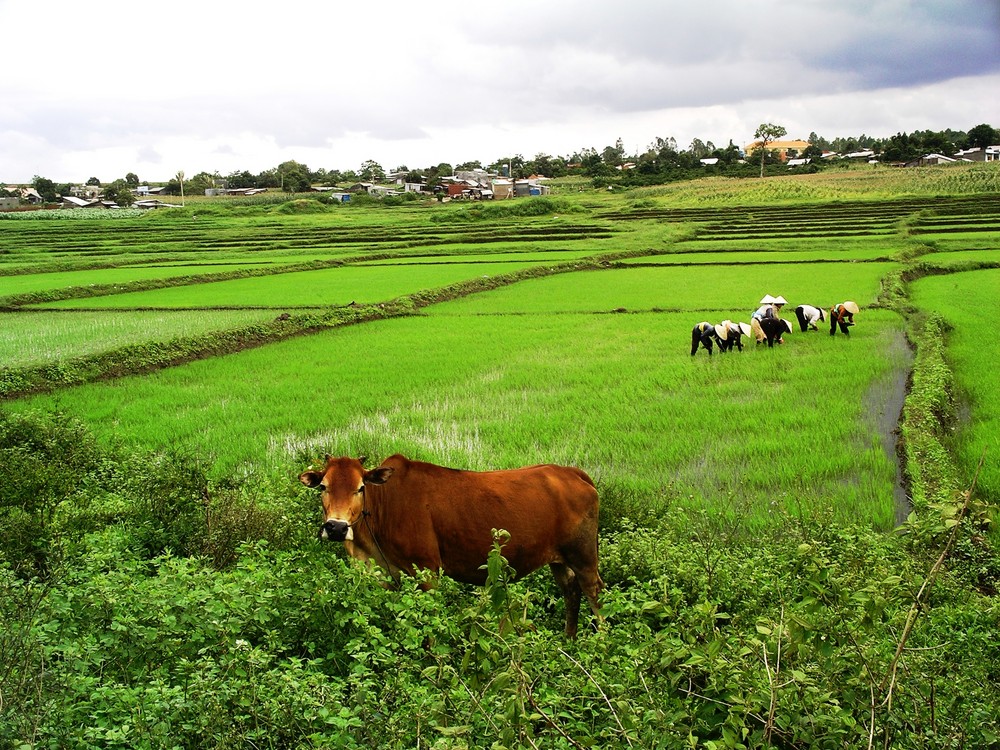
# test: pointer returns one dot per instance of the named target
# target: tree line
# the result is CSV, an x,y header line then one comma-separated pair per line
x,y
662,160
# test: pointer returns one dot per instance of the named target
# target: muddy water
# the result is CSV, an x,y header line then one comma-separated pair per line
x,y
884,404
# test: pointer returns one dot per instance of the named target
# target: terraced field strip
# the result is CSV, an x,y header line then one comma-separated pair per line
x,y
858,219
100,238
28,339
734,289
314,288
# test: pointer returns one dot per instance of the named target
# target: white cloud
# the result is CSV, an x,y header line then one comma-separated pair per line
x,y
226,85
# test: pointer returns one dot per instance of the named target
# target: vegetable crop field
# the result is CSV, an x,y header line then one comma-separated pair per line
x,y
796,540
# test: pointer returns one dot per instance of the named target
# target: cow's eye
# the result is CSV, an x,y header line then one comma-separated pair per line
x,y
322,487
360,490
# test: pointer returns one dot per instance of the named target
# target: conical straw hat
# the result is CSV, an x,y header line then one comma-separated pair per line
x,y
721,331
768,300
851,307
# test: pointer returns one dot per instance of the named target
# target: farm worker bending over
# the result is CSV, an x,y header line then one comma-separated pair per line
x,y
808,316
705,333
734,335
842,315
770,307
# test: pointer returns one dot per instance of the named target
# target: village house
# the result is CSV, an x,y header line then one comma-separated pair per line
x,y
783,150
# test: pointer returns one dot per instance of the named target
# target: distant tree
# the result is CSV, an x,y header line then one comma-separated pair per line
x,y
244,179
94,181
200,183
767,133
371,171
119,192
982,136
812,151
294,177
45,188
614,156
132,179
728,155
818,141
700,150
935,142
269,178
900,148
549,166
468,166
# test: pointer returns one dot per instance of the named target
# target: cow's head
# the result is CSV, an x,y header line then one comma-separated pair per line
x,y
343,483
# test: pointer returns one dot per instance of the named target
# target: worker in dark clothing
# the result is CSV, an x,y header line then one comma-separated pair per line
x,y
704,334
734,335
842,315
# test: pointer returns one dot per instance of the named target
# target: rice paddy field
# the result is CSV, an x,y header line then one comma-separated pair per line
x,y
790,551
562,336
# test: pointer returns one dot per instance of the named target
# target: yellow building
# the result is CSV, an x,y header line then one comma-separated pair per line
x,y
780,148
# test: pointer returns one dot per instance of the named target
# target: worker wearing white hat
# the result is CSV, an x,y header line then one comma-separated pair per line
x,y
734,335
843,315
770,307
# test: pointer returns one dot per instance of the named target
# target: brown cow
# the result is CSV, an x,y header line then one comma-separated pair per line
x,y
408,515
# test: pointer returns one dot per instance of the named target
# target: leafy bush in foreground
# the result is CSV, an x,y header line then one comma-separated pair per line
x,y
268,638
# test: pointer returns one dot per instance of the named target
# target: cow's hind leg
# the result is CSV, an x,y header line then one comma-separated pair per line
x,y
570,588
590,583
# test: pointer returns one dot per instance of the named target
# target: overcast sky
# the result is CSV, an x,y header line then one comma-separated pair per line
x,y
103,89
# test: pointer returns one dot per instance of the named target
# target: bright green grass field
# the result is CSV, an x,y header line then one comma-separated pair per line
x,y
736,290
738,257
330,286
30,338
527,256
42,282
760,433
954,258
968,301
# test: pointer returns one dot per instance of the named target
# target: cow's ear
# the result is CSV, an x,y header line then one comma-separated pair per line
x,y
378,476
311,478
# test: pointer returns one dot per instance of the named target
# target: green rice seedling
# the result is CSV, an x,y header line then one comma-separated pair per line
x,y
733,288
25,283
532,255
960,257
965,300
332,286
34,338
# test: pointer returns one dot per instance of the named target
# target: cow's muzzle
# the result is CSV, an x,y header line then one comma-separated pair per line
x,y
336,531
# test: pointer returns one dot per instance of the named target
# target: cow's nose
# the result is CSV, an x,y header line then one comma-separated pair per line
x,y
335,531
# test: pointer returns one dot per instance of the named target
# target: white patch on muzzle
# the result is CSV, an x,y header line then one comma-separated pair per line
x,y
349,536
